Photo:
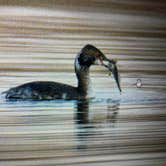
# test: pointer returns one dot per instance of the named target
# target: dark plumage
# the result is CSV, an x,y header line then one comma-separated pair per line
x,y
47,90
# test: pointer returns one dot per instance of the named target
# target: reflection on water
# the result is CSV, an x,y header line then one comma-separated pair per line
x,y
86,125
39,41
82,116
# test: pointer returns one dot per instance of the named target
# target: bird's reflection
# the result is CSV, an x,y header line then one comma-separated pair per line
x,y
88,126
83,111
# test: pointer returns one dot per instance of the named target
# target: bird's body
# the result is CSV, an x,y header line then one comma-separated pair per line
x,y
43,90
47,90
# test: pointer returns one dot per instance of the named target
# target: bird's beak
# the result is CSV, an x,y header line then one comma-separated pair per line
x,y
111,65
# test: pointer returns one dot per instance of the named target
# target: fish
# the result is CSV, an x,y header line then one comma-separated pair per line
x,y
113,69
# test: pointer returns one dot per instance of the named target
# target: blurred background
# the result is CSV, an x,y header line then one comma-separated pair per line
x,y
39,41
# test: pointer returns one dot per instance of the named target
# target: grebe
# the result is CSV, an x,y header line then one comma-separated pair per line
x,y
47,90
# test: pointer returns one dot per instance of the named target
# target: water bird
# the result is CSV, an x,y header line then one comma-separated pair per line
x,y
48,90
139,83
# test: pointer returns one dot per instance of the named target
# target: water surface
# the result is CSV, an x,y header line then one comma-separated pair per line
x,y
39,41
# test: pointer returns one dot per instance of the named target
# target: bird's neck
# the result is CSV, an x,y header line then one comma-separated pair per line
x,y
82,74
83,82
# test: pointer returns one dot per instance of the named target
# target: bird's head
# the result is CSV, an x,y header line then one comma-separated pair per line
x,y
91,55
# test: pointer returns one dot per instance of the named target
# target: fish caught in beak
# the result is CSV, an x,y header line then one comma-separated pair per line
x,y
112,67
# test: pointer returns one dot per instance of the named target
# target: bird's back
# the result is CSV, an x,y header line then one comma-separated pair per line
x,y
43,90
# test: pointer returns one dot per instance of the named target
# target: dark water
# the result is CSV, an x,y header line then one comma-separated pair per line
x,y
39,41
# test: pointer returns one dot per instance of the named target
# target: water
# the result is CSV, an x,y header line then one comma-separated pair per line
x,y
39,41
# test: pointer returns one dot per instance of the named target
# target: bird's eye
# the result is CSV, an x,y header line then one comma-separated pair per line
x,y
98,56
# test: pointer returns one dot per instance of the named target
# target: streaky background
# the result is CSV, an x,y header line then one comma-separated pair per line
x,y
39,41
